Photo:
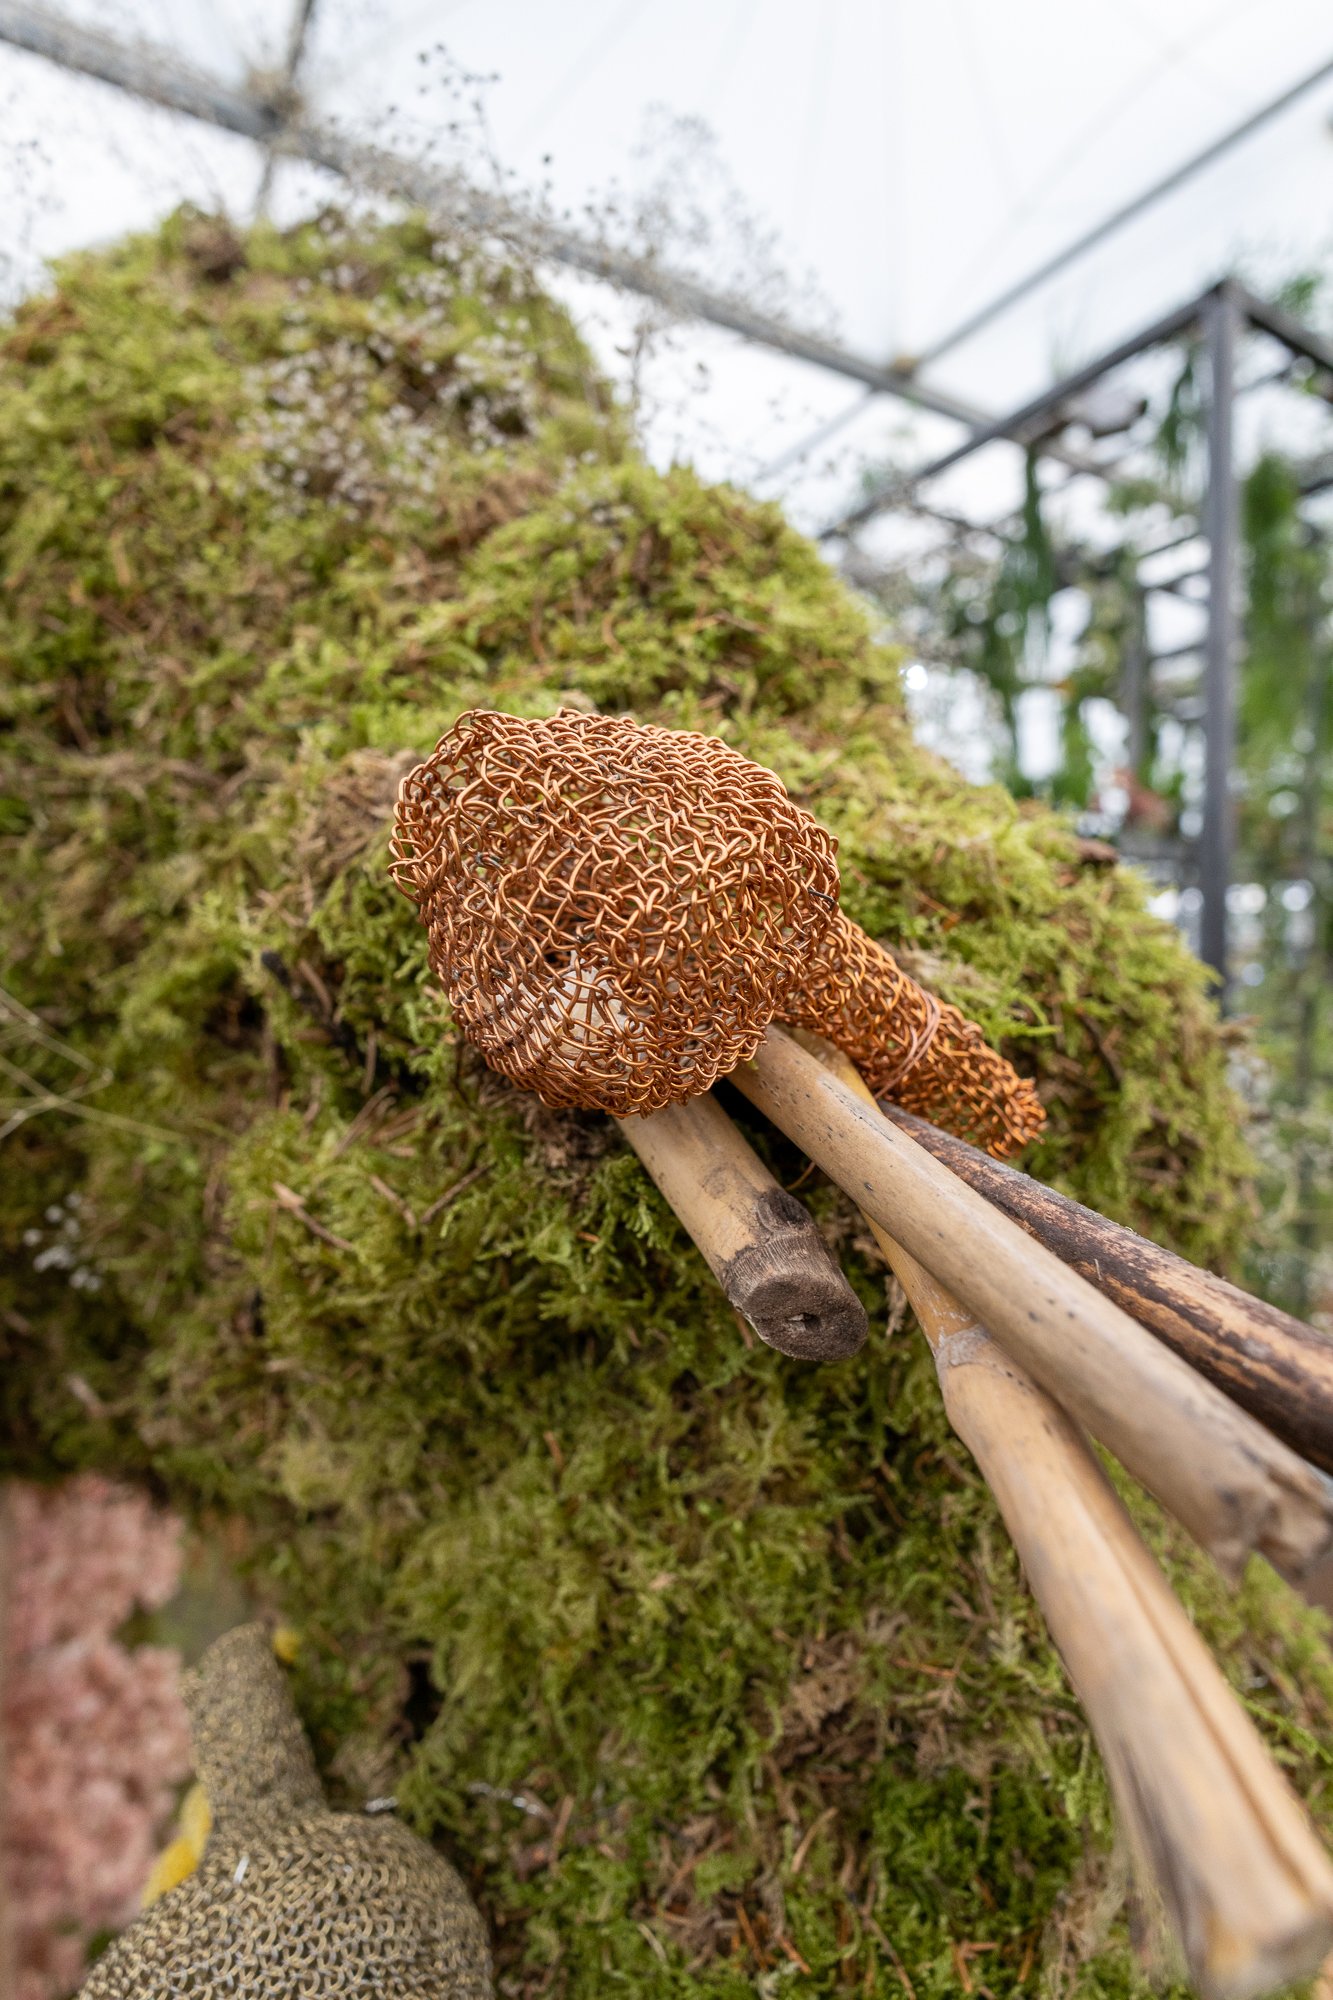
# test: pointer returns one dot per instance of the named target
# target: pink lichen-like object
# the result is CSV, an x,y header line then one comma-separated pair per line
x,y
94,1732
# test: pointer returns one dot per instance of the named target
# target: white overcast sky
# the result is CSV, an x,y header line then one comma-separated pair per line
x,y
911,160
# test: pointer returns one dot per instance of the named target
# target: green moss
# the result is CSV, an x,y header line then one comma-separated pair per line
x,y
750,1633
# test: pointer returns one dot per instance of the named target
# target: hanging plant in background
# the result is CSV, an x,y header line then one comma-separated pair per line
x,y
1000,623
1286,827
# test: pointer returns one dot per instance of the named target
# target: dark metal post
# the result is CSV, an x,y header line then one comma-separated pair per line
x,y
1134,684
1221,521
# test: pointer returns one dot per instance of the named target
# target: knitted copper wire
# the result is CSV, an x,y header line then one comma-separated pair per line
x,y
618,912
909,1046
615,910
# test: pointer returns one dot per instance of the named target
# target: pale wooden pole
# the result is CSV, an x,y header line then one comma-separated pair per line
x,y
1213,1824
1233,1485
1275,1366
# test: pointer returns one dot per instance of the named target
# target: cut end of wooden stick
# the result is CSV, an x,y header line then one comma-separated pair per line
x,y
759,1242
791,1291
1236,1971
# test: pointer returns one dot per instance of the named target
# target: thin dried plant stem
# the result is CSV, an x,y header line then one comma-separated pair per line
x,y
70,1102
39,1099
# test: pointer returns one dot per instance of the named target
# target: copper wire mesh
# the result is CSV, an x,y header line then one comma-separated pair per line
x,y
615,910
921,1052
618,912
290,1898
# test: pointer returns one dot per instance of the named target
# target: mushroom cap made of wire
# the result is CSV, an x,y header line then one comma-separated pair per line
x,y
618,912
615,910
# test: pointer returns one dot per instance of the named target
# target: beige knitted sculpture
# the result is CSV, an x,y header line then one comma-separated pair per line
x,y
290,1898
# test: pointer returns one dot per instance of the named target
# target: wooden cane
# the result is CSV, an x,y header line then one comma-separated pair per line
x,y
759,1242
1273,1365
1211,1821
1234,1486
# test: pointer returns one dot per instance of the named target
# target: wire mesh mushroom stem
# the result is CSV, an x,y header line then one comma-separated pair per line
x,y
909,1046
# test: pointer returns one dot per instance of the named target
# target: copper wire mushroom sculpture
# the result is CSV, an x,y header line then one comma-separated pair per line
x,y
623,914
619,911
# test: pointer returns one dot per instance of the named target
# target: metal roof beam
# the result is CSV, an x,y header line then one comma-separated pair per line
x,y
1011,427
1119,217
138,68
147,71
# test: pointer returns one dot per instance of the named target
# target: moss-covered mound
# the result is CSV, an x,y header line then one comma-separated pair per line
x,y
714,1669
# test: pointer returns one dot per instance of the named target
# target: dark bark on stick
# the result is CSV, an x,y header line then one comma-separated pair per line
x,y
1274,1366
1235,1486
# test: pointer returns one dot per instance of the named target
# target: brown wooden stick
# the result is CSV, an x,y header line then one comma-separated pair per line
x,y
1234,1486
1212,1821
1273,1365
759,1242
